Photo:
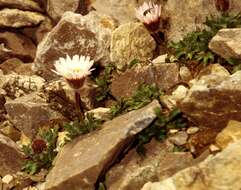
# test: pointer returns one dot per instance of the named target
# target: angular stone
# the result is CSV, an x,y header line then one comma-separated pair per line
x,y
216,97
31,112
17,18
229,134
179,138
131,41
56,8
16,45
11,159
222,171
7,129
227,43
94,153
90,35
164,76
159,163
27,5
16,85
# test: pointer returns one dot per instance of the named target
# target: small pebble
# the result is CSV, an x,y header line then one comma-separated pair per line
x,y
214,149
192,130
7,179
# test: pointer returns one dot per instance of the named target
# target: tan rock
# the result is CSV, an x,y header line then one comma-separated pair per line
x,y
229,134
27,5
89,159
131,41
101,113
8,130
91,35
179,138
31,112
221,171
164,76
226,43
16,45
16,18
11,159
159,163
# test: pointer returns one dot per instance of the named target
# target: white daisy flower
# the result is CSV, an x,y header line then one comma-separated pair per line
x,y
74,70
149,14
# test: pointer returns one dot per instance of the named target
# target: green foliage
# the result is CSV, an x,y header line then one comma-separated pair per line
x,y
133,63
143,95
101,187
160,127
36,161
103,83
78,128
235,63
194,46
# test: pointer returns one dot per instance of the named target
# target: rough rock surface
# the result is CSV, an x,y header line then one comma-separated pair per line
x,y
229,134
164,75
11,159
93,154
91,35
159,163
227,43
56,8
216,172
18,85
27,5
216,97
131,41
16,45
16,18
15,65
29,113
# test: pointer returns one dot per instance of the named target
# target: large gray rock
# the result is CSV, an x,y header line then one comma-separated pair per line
x,y
92,154
90,35
27,5
159,163
222,171
216,97
165,76
31,112
227,43
11,159
131,41
16,45
16,18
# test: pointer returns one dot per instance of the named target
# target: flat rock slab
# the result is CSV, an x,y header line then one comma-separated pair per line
x,y
227,43
159,163
222,171
27,5
164,75
11,159
80,162
90,36
16,18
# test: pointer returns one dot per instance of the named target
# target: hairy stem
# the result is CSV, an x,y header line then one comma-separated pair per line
x,y
79,105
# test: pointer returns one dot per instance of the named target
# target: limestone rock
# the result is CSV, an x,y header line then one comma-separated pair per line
x,y
27,5
31,112
226,43
17,18
16,85
216,97
7,129
159,163
16,45
101,113
93,154
131,41
164,76
179,138
56,8
230,134
221,171
90,35
11,159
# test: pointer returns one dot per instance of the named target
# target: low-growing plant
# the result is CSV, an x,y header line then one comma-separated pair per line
x,y
103,83
194,46
41,152
78,128
143,95
160,127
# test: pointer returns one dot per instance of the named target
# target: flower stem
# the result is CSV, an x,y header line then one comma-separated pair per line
x,y
79,105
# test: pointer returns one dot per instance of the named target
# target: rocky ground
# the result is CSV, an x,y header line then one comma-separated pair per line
x,y
161,112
